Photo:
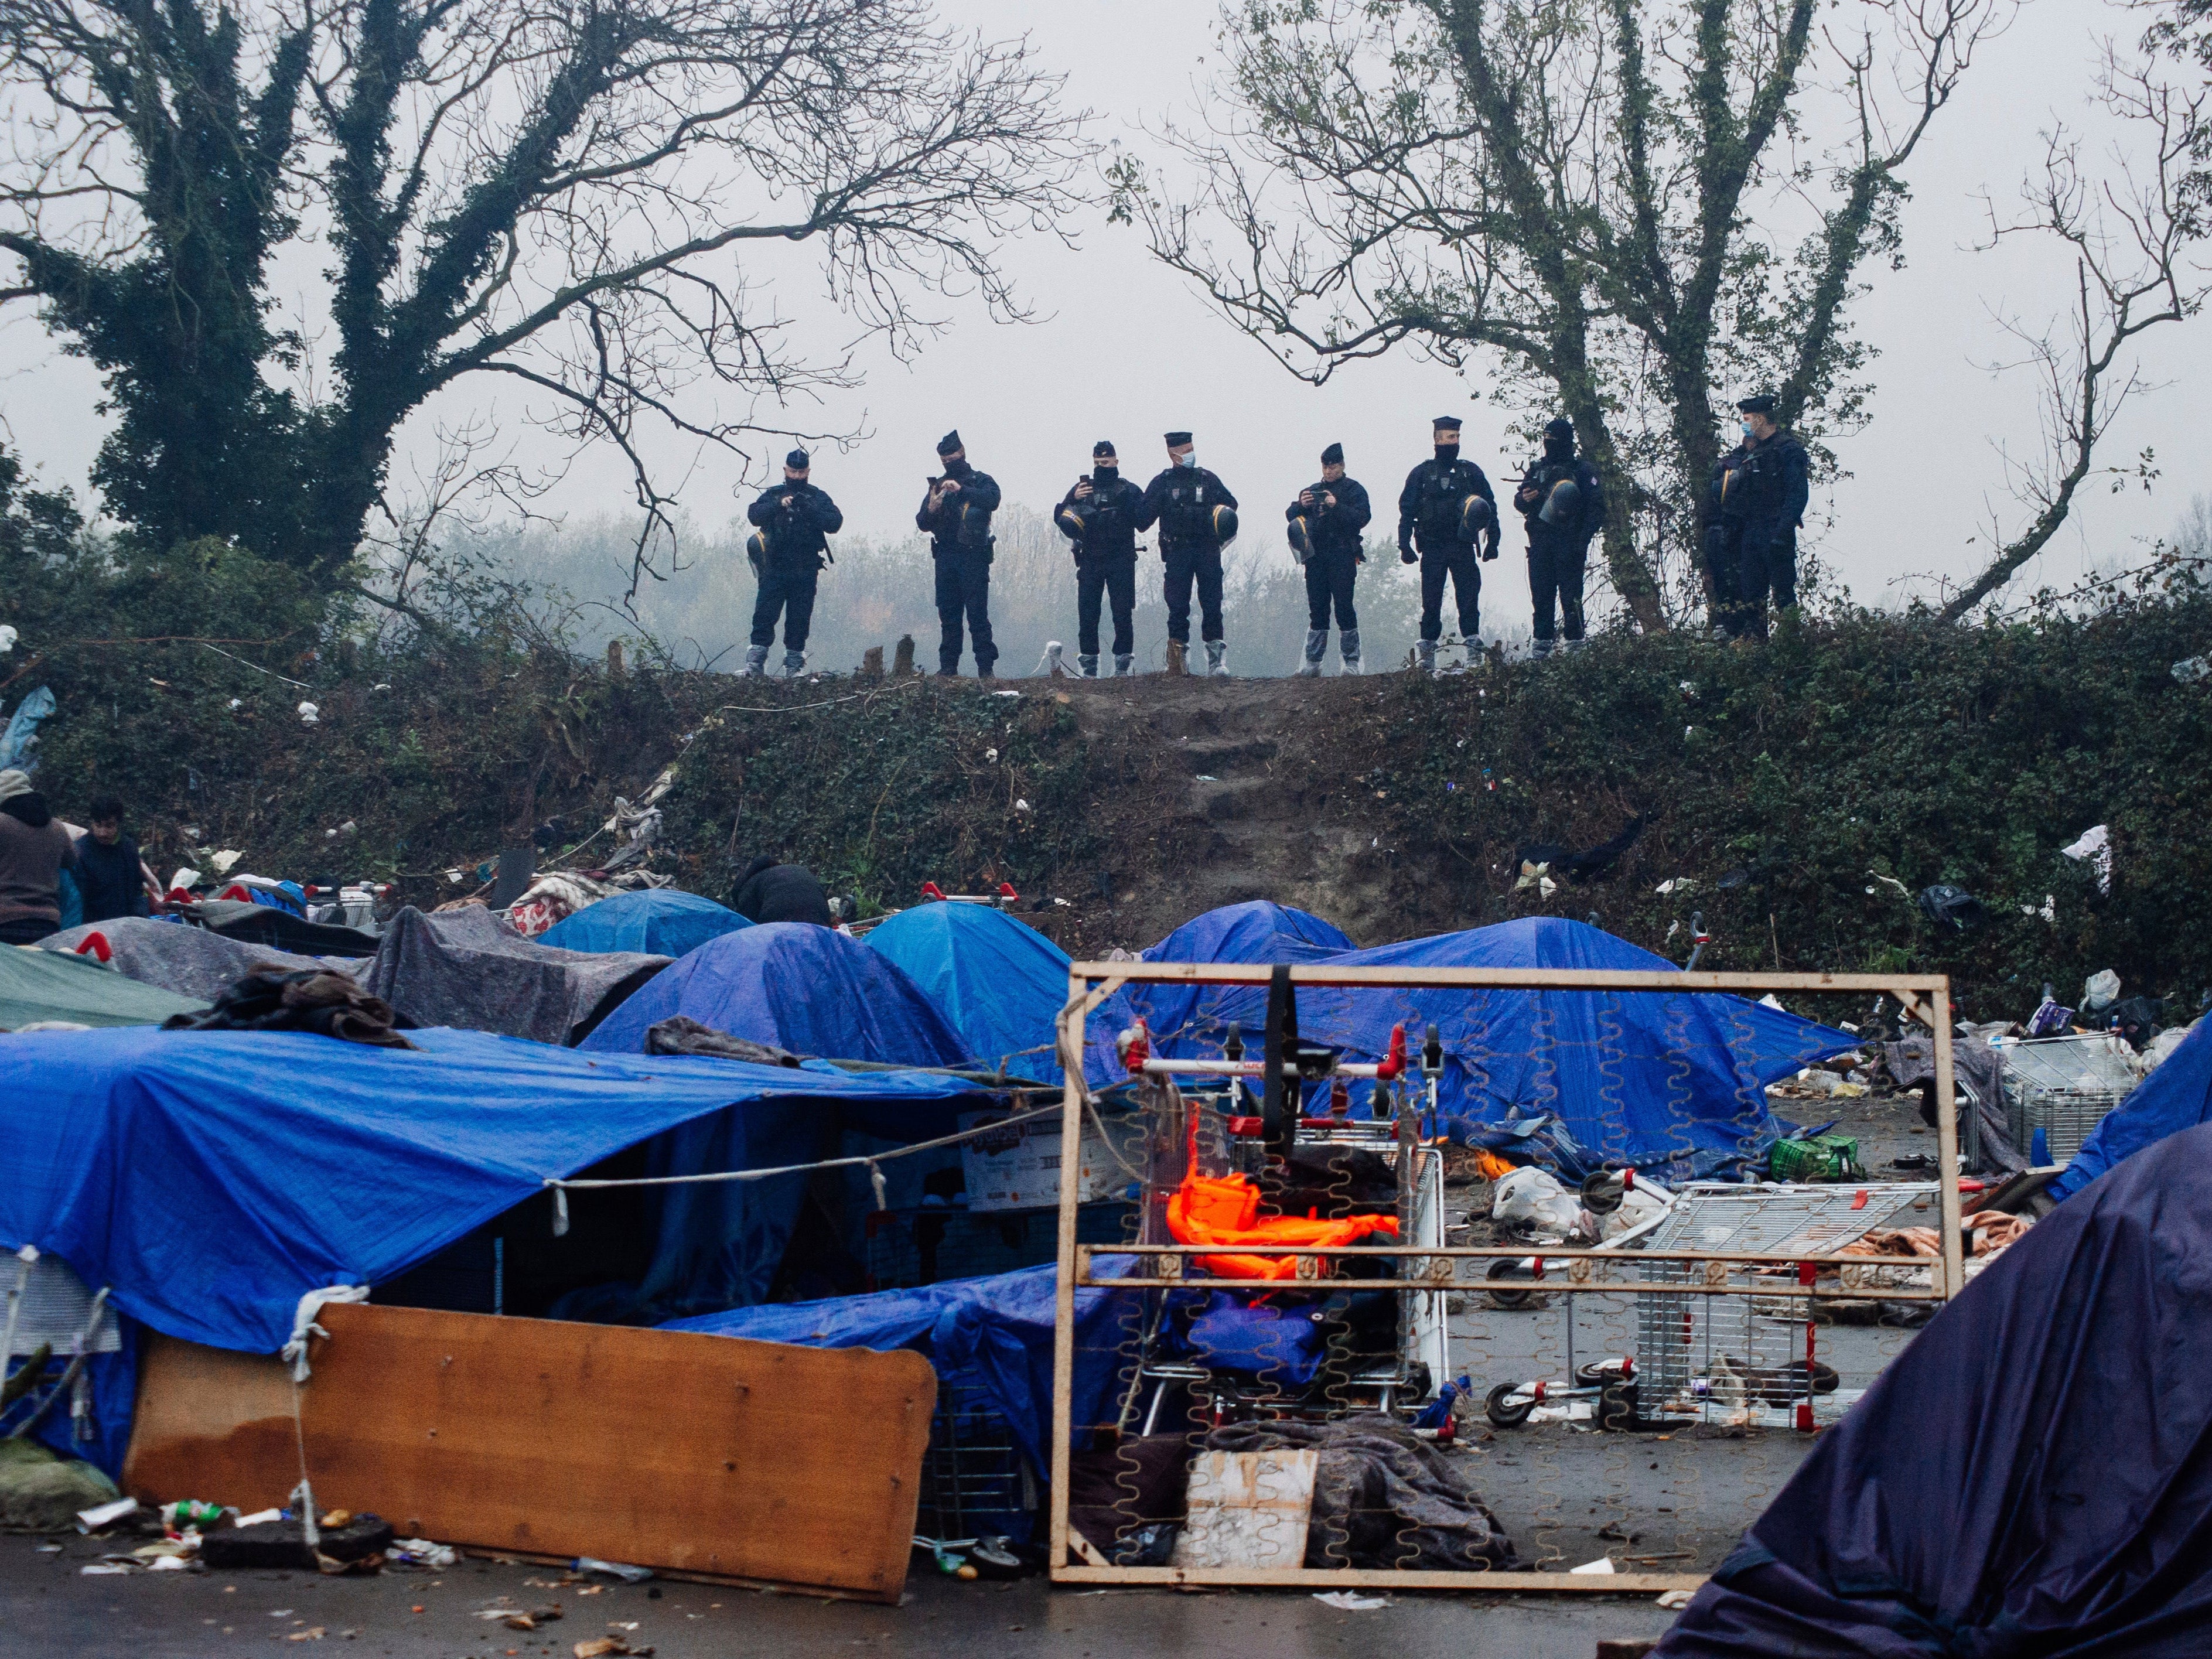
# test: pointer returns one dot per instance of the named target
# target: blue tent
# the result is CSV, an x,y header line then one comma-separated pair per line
x,y
2176,1096
811,990
1000,983
2033,1475
996,1332
1673,1083
659,922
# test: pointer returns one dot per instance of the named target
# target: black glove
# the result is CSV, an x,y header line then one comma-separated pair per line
x,y
1490,547
1405,554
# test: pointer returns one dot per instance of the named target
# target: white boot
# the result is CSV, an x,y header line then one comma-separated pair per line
x,y
1217,659
1540,649
755,661
1125,663
1425,656
1316,643
1348,643
795,664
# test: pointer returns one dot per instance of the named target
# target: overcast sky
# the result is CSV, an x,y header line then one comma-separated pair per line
x,y
1124,349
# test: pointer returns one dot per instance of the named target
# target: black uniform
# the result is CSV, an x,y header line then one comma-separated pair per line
x,y
960,544
1181,501
1105,558
1334,564
1725,497
1430,518
795,520
1559,552
1776,479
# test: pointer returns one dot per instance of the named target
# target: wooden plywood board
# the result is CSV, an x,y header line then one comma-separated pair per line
x,y
213,1424
671,1450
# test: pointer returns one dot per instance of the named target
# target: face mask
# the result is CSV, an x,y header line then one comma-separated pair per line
x,y
1188,459
1102,475
1748,431
1558,449
1447,451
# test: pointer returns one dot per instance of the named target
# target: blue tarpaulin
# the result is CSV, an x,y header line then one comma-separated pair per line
x,y
214,1177
659,922
811,990
2176,1096
1000,983
998,1329
2033,1475
1663,1082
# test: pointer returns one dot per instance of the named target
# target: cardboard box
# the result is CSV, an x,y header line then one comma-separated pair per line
x,y
1018,1168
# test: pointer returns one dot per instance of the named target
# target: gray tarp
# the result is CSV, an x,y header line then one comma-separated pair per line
x,y
462,967
467,967
1979,1072
190,961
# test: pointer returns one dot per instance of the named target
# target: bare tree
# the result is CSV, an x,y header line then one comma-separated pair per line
x,y
582,197
1574,190
2135,237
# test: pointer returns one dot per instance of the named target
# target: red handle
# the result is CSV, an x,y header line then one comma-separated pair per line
x,y
930,890
1394,1063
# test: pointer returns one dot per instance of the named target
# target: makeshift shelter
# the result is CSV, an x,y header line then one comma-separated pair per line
x,y
2176,1096
467,967
2030,1475
995,1333
260,922
998,981
214,1179
811,990
54,984
657,921
189,961
1664,1082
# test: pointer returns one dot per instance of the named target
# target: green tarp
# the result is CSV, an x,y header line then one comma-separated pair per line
x,y
39,985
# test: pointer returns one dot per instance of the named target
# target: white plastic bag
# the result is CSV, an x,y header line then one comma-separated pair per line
x,y
1531,1197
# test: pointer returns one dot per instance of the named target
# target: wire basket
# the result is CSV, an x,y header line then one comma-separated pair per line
x,y
2063,1086
975,1481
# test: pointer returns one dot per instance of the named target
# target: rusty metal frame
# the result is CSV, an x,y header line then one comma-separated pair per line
x,y
1924,997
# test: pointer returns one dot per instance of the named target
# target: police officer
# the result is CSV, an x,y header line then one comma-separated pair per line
x,y
1446,507
794,520
1099,514
1560,501
1325,522
1196,514
1776,482
956,513
1724,502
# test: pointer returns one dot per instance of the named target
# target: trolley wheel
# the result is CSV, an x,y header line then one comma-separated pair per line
x,y
1505,1413
1505,1267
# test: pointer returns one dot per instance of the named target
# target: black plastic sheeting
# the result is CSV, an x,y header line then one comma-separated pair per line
x,y
2033,1476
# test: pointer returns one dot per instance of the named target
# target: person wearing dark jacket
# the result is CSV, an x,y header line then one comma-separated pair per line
x,y
1725,496
1099,515
1327,519
108,868
1565,509
35,850
1446,507
956,513
770,891
795,521
1776,478
1187,502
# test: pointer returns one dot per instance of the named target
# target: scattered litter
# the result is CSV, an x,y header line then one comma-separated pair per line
x,y
1602,1564
622,1570
99,1569
422,1553
259,1516
1903,892
2188,671
1679,884
2095,849
105,1515
1952,907
9,636
1005,694
1351,1601
1208,777
990,754
1771,1000
1674,1601
2101,992
309,714
1021,806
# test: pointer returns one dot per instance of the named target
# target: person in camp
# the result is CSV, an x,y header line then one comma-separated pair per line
x,y
769,890
1446,509
1725,497
791,523
1196,515
1561,500
1325,522
35,850
956,513
108,870
1099,515
1776,478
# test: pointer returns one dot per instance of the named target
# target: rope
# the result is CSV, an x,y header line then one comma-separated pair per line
x,y
870,1160
827,703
